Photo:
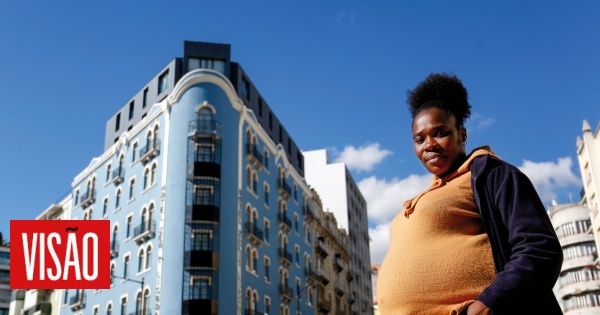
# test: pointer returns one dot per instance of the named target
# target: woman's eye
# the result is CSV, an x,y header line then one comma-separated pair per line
x,y
442,133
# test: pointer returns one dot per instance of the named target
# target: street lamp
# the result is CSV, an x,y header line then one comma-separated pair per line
x,y
298,296
142,311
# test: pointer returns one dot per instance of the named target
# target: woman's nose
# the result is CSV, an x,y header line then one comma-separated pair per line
x,y
430,143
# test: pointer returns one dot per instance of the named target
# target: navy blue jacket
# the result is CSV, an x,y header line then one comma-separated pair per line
x,y
527,254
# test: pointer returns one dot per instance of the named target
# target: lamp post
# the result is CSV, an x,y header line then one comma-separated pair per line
x,y
298,296
142,291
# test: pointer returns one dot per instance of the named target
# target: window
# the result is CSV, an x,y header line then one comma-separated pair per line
x,y
267,226
112,273
280,134
255,183
65,296
195,63
204,152
148,257
145,98
146,178
105,207
260,106
200,288
96,310
297,255
118,122
296,219
153,175
126,267
270,121
141,257
267,194
134,152
131,186
245,88
201,240
129,223
124,306
203,195
267,267
131,109
162,82
295,192
109,309
266,159
108,172
118,199
77,196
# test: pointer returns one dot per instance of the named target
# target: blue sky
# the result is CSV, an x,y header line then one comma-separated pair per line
x,y
334,72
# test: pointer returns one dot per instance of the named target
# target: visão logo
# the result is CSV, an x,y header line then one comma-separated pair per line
x,y
60,254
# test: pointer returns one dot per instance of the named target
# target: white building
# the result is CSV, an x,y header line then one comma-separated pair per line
x,y
42,302
588,155
577,287
341,196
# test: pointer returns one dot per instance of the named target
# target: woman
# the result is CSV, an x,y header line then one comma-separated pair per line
x,y
478,240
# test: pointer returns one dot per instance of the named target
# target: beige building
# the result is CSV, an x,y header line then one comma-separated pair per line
x,y
340,195
328,271
44,302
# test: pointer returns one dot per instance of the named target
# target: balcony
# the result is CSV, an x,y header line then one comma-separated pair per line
x,y
41,308
285,257
310,274
285,222
322,248
114,249
323,275
337,263
144,232
340,288
77,302
118,175
88,198
254,233
143,311
203,128
151,150
324,305
256,158
286,292
250,311
284,189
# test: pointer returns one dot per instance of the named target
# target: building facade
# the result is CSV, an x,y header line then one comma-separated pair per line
x,y
5,293
43,302
588,155
577,288
206,197
331,263
341,196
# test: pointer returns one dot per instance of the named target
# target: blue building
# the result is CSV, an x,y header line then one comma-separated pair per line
x,y
206,196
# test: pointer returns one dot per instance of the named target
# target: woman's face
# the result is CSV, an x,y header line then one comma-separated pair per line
x,y
437,141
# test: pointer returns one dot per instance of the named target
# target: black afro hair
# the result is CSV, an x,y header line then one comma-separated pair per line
x,y
443,91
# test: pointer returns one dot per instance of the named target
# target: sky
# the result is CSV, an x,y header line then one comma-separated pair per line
x,y
334,72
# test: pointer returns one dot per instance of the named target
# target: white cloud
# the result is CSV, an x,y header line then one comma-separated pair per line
x,y
479,121
385,198
550,177
363,158
380,241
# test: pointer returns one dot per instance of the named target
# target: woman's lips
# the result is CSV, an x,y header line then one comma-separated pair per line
x,y
432,159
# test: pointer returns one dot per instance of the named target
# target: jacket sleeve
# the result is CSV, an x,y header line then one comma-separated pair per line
x,y
529,257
